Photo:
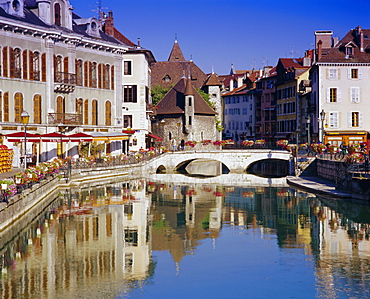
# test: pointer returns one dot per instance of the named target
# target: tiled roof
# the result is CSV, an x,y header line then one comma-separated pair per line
x,y
29,17
176,53
174,101
241,89
338,52
289,63
213,80
175,70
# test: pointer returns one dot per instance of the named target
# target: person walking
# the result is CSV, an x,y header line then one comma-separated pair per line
x,y
173,143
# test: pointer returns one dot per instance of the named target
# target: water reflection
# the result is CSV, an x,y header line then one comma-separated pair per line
x,y
103,241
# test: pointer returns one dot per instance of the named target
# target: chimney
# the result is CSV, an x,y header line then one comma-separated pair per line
x,y
319,50
326,38
109,24
307,59
361,41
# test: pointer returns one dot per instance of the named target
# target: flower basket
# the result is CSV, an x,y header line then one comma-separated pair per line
x,y
206,142
260,142
282,143
303,146
190,143
219,142
318,147
248,142
332,148
355,158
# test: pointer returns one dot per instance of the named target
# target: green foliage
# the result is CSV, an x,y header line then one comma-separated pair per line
x,y
219,126
206,97
158,92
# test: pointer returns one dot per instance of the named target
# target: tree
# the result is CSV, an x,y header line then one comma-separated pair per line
x,y
158,92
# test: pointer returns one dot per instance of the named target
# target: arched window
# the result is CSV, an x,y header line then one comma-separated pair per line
x,y
18,107
57,17
60,104
93,74
37,109
6,107
58,68
94,113
108,113
79,72
86,112
5,61
15,63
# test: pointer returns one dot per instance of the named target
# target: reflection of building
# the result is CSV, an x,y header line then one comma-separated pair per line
x,y
181,216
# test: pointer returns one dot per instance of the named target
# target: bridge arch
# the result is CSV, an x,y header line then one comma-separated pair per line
x,y
273,168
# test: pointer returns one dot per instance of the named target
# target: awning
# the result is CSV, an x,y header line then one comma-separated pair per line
x,y
80,137
19,137
155,137
54,137
98,136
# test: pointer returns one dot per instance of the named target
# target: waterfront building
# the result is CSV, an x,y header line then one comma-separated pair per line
x,y
267,115
71,75
340,77
183,114
289,74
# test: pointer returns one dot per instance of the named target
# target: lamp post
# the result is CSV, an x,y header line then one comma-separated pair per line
x,y
308,122
322,119
25,117
163,123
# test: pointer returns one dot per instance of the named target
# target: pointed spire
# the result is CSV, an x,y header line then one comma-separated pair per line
x,y
189,88
176,53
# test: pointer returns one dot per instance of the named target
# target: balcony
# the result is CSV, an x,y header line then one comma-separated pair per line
x,y
64,82
72,119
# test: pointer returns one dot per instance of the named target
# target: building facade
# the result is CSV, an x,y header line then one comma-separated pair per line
x,y
68,74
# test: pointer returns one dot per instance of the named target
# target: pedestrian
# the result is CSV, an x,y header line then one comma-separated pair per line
x,y
173,143
182,144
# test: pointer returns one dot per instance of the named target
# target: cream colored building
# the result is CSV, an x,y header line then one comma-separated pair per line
x,y
70,74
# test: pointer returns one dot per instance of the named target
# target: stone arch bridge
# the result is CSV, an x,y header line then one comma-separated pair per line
x,y
237,161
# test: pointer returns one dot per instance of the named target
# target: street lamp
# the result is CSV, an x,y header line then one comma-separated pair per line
x,y
322,118
308,122
25,117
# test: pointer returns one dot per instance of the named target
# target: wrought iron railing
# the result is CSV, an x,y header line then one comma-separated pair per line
x,y
65,78
65,118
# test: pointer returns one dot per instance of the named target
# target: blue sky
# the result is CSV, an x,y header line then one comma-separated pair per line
x,y
216,33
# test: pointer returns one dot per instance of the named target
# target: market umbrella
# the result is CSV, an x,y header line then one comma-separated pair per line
x,y
80,137
54,137
19,137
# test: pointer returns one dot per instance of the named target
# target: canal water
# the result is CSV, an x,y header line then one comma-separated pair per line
x,y
144,238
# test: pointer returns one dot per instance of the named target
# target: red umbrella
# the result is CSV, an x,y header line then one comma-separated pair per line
x,y
19,137
80,137
54,137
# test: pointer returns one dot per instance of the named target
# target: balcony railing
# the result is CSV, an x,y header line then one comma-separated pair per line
x,y
65,78
65,118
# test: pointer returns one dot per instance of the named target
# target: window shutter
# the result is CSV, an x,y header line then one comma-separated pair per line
x,y
339,95
90,73
349,73
5,62
86,74
37,109
327,74
112,77
108,114
12,62
355,94
134,93
349,116
360,73
100,75
30,66
338,76
328,95
361,119
43,67
25,71
86,112
55,67
6,107
65,65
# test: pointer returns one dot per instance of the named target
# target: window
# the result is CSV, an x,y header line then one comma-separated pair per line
x,y
37,109
57,19
349,51
108,113
36,66
355,122
16,65
354,73
18,107
6,106
355,94
86,112
333,119
333,74
112,77
130,93
127,121
94,113
127,68
79,72
189,101
333,95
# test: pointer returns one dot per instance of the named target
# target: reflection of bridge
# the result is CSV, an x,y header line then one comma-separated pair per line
x,y
237,161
